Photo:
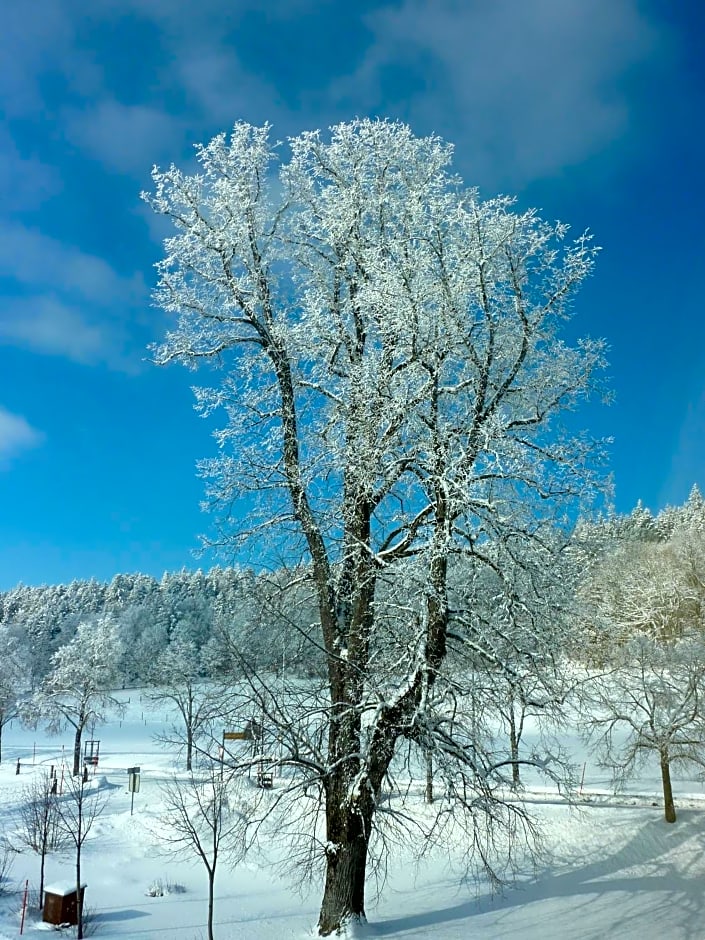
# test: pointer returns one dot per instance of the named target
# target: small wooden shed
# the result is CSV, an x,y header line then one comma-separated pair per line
x,y
61,903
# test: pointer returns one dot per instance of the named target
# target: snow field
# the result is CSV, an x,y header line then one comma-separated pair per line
x,y
611,868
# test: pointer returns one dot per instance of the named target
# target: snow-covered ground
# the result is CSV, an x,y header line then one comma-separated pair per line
x,y
614,868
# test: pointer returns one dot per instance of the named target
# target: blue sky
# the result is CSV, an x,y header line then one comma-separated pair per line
x,y
590,110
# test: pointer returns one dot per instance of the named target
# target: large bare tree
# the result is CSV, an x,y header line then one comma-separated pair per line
x,y
392,379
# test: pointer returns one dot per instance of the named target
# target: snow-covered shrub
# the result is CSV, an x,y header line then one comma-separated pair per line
x,y
160,888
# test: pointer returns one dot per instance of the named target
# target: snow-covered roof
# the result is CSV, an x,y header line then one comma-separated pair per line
x,y
62,888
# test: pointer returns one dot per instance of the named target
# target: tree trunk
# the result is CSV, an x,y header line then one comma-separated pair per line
x,y
188,718
41,870
79,896
429,777
348,829
514,748
77,751
669,808
211,884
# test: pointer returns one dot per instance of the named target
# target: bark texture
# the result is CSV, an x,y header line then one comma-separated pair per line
x,y
669,808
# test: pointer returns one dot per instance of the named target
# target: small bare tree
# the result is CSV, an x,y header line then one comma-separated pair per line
x,y
40,827
199,821
78,810
517,694
649,702
178,681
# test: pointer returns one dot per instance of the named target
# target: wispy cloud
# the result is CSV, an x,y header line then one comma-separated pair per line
x,y
35,259
197,80
45,324
220,89
65,301
524,89
530,87
126,138
16,435
35,41
25,182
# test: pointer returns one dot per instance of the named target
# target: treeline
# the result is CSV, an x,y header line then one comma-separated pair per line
x,y
629,574
223,613
643,575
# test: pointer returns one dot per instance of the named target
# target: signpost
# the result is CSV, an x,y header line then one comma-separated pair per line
x,y
133,784
245,735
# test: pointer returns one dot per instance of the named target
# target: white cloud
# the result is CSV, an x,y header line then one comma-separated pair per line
x,y
25,182
126,138
34,259
16,435
35,40
220,88
45,324
529,87
66,302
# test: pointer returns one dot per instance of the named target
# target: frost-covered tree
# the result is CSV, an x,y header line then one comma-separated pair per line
x,y
77,690
688,517
644,575
644,600
640,588
138,655
392,383
14,677
648,702
46,617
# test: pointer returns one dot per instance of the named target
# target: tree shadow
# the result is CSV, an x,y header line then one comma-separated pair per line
x,y
651,894
106,917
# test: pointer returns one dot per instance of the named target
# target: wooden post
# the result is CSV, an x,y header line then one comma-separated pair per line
x,y
24,905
